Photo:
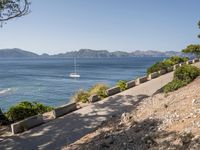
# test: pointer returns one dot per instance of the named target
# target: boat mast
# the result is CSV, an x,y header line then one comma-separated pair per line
x,y
74,64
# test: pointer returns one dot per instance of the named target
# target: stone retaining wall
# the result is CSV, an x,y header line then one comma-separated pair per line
x,y
161,72
189,62
113,91
33,121
94,98
176,66
153,75
141,80
169,69
130,84
63,110
195,60
26,124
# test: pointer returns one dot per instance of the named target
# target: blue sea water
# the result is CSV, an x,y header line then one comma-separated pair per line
x,y
46,80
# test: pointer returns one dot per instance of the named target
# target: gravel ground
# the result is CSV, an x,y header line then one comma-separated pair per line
x,y
162,121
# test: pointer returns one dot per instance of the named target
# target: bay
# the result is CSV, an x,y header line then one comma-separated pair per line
x,y
46,80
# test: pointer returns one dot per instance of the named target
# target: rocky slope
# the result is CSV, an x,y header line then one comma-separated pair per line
x,y
163,121
16,53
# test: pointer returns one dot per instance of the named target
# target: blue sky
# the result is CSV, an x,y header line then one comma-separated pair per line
x,y
126,25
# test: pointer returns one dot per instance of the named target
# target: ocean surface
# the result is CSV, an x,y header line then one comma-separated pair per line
x,y
46,80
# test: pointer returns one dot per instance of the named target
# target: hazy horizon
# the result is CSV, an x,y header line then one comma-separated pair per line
x,y
85,49
58,27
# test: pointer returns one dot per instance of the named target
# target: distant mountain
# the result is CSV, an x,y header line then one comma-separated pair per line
x,y
16,53
88,53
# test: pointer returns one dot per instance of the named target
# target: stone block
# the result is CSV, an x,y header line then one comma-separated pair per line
x,y
63,110
113,90
130,84
26,124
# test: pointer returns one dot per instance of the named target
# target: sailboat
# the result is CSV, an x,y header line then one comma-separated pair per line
x,y
74,74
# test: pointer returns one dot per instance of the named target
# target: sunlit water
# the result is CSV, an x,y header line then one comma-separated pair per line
x,y
47,81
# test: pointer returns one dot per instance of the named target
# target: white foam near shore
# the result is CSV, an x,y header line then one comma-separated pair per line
x,y
5,91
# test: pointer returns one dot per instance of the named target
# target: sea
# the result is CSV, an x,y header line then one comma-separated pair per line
x,y
46,80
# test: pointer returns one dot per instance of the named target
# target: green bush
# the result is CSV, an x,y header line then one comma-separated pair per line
x,y
187,73
26,109
182,76
99,89
177,59
174,85
122,85
159,66
81,96
3,119
166,63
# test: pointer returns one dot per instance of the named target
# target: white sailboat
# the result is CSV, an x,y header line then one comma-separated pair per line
x,y
74,74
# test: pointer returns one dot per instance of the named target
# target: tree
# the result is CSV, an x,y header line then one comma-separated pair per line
x,y
199,28
10,9
193,49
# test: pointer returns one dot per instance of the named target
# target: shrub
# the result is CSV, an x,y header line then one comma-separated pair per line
x,y
174,85
159,66
177,59
182,76
26,109
40,108
122,85
187,73
3,118
99,89
81,96
166,63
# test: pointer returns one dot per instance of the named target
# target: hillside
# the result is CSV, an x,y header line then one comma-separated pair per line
x,y
87,53
16,53
162,121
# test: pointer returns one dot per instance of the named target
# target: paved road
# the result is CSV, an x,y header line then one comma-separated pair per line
x,y
69,128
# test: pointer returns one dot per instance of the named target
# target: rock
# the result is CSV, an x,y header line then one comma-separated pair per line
x,y
126,119
104,145
195,101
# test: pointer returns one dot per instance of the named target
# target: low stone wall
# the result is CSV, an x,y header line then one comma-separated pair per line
x,y
176,66
63,110
113,90
26,124
33,121
130,84
153,75
141,80
163,71
189,62
181,64
195,60
169,69
94,98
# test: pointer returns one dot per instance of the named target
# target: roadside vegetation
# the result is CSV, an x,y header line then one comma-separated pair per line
x,y
122,85
99,89
182,76
23,110
166,63
83,95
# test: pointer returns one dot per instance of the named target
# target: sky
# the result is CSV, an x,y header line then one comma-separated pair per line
x,y
58,26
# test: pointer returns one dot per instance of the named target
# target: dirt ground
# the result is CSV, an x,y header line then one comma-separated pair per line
x,y
162,121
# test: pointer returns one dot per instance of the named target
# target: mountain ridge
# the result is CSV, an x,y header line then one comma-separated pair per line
x,y
88,53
